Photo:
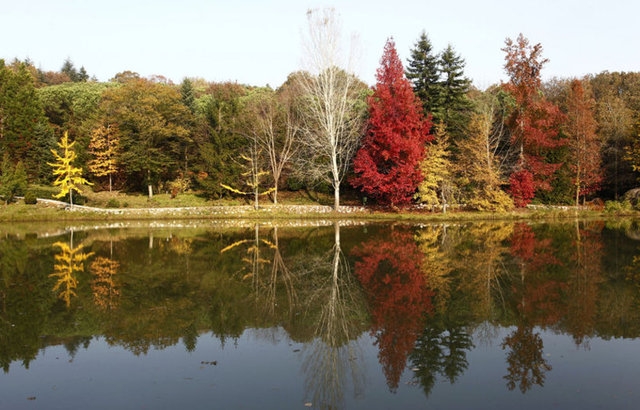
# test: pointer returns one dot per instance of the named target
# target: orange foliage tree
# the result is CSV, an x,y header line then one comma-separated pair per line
x,y
534,123
584,142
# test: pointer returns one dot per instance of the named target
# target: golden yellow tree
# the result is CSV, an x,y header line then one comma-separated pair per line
x,y
436,187
104,148
69,261
478,164
68,177
105,289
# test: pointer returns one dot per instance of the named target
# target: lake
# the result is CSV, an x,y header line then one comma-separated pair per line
x,y
323,315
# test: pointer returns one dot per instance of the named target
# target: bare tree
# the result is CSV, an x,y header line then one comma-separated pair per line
x,y
333,123
273,127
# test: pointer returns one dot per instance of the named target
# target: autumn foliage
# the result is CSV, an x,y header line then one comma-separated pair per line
x,y
387,164
534,122
390,271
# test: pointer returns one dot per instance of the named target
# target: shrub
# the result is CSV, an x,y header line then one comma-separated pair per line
x,y
113,203
30,198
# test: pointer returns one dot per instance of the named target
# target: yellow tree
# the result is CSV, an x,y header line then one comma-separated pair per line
x,y
104,287
69,261
436,187
104,148
479,171
68,177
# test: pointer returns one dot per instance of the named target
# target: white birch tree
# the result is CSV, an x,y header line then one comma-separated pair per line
x,y
332,124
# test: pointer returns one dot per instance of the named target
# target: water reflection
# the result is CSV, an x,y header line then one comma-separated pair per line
x,y
68,263
428,296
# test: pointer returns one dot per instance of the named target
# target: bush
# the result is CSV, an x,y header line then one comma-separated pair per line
x,y
30,198
113,203
617,207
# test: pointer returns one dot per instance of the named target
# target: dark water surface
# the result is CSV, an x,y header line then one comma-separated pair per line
x,y
327,316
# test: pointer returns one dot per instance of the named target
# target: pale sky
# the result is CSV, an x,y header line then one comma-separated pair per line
x,y
259,42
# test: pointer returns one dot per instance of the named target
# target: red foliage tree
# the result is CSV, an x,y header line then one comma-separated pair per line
x,y
521,187
386,165
584,142
535,122
390,272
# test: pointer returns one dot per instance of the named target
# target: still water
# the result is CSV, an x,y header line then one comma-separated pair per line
x,y
208,314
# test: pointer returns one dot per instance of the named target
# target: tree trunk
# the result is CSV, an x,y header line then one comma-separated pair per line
x,y
71,198
149,186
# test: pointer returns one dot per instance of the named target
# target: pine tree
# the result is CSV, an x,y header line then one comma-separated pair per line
x,y
13,180
424,74
68,177
387,163
455,107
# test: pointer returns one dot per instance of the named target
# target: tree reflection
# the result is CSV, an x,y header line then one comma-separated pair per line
x,y
68,262
332,358
539,300
442,347
584,281
389,269
103,285
526,364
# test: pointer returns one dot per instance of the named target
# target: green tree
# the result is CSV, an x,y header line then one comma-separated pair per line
x,y
75,108
152,130
24,133
13,180
424,74
68,177
75,75
216,138
455,107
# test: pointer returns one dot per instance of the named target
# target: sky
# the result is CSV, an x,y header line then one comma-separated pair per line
x,y
260,42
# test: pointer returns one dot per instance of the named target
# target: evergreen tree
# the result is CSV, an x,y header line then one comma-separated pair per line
x,y
13,180
455,106
188,96
424,74
23,126
387,163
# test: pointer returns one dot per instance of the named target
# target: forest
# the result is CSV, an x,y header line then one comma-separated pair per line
x,y
422,135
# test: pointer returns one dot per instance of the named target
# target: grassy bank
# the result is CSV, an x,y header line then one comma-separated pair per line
x,y
296,205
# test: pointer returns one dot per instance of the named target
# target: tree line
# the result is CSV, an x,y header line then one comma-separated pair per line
x,y
422,134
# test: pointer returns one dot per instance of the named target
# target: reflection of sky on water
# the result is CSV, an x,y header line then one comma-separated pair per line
x,y
263,369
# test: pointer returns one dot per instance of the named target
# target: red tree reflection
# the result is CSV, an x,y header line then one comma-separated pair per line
x,y
390,273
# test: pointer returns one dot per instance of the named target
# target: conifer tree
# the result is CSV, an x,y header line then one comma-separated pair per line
x,y
424,74
68,177
455,106
13,180
387,163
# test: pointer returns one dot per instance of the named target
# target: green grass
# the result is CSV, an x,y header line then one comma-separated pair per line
x,y
201,208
